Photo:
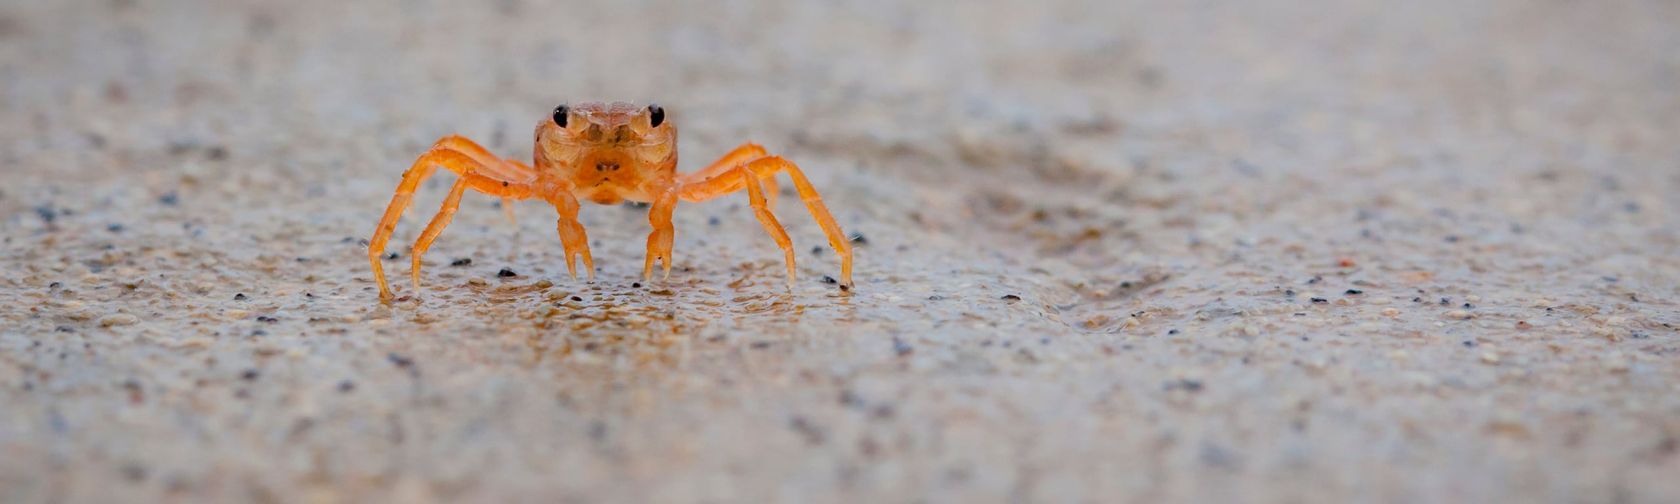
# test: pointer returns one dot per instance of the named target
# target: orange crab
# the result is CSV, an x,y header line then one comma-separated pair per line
x,y
605,153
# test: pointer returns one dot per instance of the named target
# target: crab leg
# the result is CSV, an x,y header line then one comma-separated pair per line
x,y
508,179
766,167
433,229
572,235
659,241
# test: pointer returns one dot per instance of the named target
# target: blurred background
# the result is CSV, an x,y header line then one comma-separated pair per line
x,y
1107,250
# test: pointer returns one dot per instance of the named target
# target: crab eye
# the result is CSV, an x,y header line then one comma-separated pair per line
x,y
560,115
656,115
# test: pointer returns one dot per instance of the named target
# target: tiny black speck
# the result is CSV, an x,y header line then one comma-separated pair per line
x,y
829,280
577,299
1468,343
1315,279
1289,293
114,228
635,285
248,375
169,199
1446,301
1172,331
859,239
935,297
239,297
55,285
817,250
1011,297
1468,306
391,256
506,272
464,261
713,221
1354,292
1320,300
399,360
346,386
1417,300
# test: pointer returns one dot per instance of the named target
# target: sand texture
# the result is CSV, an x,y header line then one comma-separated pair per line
x,y
1107,251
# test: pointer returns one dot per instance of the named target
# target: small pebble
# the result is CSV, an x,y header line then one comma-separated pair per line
x,y
859,239
464,261
506,273
118,319
1011,298
239,297
829,280
1354,292
1320,300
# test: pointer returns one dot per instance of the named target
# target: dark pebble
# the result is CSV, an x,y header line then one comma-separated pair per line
x,y
169,199
46,213
239,297
114,228
829,280
1468,306
859,239
464,261
1185,385
1011,298
1172,331
1289,293
635,285
399,360
817,250
1320,300
505,273
346,386
1468,343
391,256
1354,292
248,375
577,299
936,297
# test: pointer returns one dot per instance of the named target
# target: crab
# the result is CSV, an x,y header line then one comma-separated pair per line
x,y
606,153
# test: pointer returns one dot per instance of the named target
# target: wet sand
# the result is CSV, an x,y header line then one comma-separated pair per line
x,y
1106,252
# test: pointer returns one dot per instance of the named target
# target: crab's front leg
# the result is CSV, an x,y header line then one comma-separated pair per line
x,y
572,236
659,241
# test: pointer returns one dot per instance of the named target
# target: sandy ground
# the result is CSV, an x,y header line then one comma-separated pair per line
x,y
1110,251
